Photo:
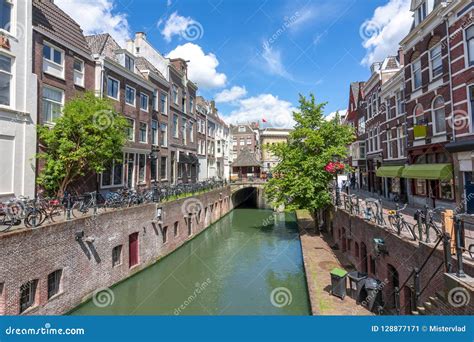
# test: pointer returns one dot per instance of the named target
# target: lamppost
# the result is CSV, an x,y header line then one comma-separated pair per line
x,y
153,156
337,167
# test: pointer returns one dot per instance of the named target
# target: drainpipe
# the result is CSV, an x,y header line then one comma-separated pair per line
x,y
450,77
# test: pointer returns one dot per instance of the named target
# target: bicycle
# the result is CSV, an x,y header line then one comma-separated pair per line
x,y
42,210
9,215
397,221
376,215
85,203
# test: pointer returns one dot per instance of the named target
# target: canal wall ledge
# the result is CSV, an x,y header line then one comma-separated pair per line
x,y
82,249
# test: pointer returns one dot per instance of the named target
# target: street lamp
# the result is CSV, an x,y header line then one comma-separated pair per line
x,y
153,156
336,161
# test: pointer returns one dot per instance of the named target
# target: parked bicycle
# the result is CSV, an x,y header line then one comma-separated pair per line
x,y
397,222
373,211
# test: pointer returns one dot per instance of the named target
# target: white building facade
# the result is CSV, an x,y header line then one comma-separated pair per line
x,y
18,100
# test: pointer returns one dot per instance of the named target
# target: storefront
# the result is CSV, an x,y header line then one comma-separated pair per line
x,y
394,187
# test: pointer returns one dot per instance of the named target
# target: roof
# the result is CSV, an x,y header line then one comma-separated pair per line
x,y
103,44
246,158
144,64
55,22
235,129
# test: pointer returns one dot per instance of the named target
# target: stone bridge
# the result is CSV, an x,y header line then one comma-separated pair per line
x,y
247,191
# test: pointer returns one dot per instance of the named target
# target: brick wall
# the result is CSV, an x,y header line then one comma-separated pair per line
x,y
353,233
86,263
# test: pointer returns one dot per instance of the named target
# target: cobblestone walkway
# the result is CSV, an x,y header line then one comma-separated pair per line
x,y
319,259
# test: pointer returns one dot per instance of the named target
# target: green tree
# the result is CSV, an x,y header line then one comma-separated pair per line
x,y
87,137
300,180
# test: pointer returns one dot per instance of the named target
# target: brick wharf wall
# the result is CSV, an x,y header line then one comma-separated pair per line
x,y
354,235
87,264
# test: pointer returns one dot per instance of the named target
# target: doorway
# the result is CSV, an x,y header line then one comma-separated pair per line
x,y
133,249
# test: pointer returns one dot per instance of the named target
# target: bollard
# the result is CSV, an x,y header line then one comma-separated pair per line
x,y
68,207
419,223
458,229
447,252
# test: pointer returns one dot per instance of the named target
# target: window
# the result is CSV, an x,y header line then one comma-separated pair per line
x,y
389,144
446,189
175,94
436,61
144,102
5,15
78,72
175,126
402,141
183,104
52,104
241,129
176,228
154,169
113,175
249,141
439,118
420,187
154,132
28,294
164,135
5,79
416,74
129,63
54,283
53,54
141,168
130,130
421,13
142,133
400,103
130,95
163,103
155,101
471,99
53,61
117,256
113,88
191,105
191,131
164,233
470,44
418,113
183,129
163,169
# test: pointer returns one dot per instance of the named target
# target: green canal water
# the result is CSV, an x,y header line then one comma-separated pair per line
x,y
248,263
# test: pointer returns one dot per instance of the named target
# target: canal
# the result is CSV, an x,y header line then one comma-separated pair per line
x,y
247,263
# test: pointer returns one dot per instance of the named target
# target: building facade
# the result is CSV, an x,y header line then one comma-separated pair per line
x,y
18,100
269,137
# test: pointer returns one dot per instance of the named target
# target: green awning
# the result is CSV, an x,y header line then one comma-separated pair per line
x,y
389,171
428,171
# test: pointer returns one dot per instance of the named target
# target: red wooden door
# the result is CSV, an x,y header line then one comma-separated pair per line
x,y
133,249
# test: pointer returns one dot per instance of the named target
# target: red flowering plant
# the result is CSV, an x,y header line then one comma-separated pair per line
x,y
333,167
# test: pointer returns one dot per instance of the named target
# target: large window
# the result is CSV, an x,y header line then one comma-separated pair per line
x,y
439,118
163,169
175,126
154,132
28,295
143,132
130,95
185,133
416,74
175,94
191,131
389,144
164,135
113,175
421,13
5,79
144,102
402,141
470,44
163,103
130,130
78,72
53,100
5,15
53,60
400,103
436,61
113,88
129,63
54,283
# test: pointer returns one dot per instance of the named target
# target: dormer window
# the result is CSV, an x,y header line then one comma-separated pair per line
x,y
241,129
129,63
5,15
421,12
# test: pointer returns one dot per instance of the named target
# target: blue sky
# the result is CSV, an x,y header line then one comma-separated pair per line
x,y
256,56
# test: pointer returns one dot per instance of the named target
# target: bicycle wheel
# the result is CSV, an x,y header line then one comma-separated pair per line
x,y
5,222
392,223
34,218
54,213
410,230
78,208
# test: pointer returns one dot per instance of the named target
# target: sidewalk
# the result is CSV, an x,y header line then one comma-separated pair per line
x,y
319,259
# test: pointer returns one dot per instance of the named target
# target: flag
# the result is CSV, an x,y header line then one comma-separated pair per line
x,y
263,120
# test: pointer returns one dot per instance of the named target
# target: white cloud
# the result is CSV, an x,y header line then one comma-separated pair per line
x,y
230,95
278,113
185,27
342,114
384,31
202,67
274,65
98,16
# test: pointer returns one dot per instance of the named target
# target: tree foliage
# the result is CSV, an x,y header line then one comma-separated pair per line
x,y
300,180
87,137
